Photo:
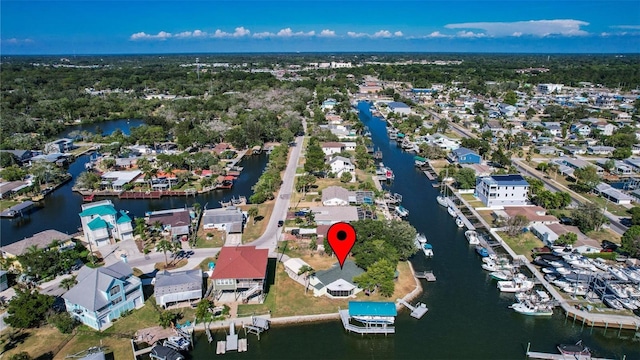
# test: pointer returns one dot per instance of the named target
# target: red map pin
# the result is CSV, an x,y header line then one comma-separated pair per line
x,y
341,237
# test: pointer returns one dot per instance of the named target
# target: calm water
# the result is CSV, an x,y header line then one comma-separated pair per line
x,y
468,318
61,207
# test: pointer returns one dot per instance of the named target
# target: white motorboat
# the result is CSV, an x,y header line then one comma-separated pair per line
x,y
421,239
618,290
531,309
561,283
490,266
472,237
631,274
578,290
518,284
618,273
389,320
401,211
612,302
633,292
563,271
177,343
600,264
628,303
501,275
427,249
459,222
452,211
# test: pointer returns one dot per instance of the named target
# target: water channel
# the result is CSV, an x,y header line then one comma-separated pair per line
x,y
60,209
468,318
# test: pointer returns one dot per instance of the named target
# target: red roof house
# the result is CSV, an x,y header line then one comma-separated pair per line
x,y
242,270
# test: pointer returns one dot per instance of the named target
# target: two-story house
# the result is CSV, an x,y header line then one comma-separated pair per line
x,y
502,190
103,294
59,146
241,270
332,147
338,165
581,129
464,156
101,223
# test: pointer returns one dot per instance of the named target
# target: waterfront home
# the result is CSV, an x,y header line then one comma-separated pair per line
x,y
4,282
544,233
600,150
502,190
42,240
535,214
464,156
22,156
230,219
350,145
335,196
241,271
103,294
329,215
178,286
399,108
612,194
221,147
332,147
175,221
126,163
59,146
339,165
578,164
9,188
116,180
336,282
101,223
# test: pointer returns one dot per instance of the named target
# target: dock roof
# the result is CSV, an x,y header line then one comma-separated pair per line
x,y
372,308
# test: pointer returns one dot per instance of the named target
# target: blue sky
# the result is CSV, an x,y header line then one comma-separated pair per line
x,y
145,26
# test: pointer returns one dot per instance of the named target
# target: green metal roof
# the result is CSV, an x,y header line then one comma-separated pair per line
x,y
372,308
97,223
419,158
124,218
99,210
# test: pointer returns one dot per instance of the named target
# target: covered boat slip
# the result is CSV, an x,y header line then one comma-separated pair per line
x,y
376,317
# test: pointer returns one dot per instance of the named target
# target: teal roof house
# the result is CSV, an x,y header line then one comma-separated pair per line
x,y
103,294
102,223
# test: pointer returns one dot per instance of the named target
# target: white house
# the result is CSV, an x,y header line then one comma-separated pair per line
x,y
178,286
336,282
335,196
339,165
502,190
604,128
229,219
549,88
581,129
332,147
546,235
399,108
101,223
329,215
350,145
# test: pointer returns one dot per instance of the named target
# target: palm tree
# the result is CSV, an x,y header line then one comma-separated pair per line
x,y
253,212
69,282
176,246
308,272
164,245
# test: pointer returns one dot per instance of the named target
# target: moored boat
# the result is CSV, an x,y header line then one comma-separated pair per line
x,y
401,211
501,275
531,309
472,237
459,222
442,200
427,249
574,350
452,211
482,251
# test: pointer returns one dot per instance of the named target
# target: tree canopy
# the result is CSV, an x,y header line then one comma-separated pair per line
x,y
27,309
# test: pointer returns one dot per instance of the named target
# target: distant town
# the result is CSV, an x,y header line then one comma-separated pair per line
x,y
536,159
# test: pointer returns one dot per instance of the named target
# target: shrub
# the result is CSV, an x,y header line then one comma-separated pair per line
x,y
63,322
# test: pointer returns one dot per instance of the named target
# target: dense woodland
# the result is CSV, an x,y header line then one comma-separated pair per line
x,y
243,107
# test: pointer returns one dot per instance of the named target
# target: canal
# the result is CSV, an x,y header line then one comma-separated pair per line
x,y
60,209
468,317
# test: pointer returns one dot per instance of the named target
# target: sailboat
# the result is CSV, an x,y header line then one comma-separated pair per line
x,y
442,198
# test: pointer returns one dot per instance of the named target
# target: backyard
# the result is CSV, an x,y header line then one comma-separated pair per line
x,y
522,243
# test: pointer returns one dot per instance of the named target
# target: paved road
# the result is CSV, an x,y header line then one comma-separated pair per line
x,y
273,233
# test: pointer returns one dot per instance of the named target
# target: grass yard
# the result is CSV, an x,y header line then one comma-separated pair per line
x,y
204,265
5,204
31,341
253,231
204,242
469,197
522,244
486,215
611,207
604,234
171,265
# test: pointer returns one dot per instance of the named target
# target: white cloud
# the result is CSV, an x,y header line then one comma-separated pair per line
x,y
327,33
630,27
469,34
356,35
398,33
289,33
437,34
188,34
565,27
264,34
382,34
238,32
162,35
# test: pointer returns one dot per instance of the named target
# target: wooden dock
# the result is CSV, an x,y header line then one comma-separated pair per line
x,y
541,355
427,275
417,311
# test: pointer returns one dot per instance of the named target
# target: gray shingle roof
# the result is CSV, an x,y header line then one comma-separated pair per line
x,y
93,283
41,239
348,272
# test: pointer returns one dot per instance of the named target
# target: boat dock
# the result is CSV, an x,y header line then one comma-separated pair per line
x,y
232,343
344,316
462,216
541,355
427,275
17,210
417,311
429,171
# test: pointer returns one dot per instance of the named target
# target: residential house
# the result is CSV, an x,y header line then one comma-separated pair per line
x,y
59,146
330,148
176,221
502,190
116,180
335,196
328,104
4,282
221,147
554,128
103,295
549,88
544,233
292,267
535,214
22,156
399,108
547,150
329,215
178,286
336,282
338,165
612,194
126,163
619,167
241,270
634,163
580,129
604,128
495,127
578,164
350,145
507,110
464,156
575,150
9,188
229,219
101,223
42,240
600,150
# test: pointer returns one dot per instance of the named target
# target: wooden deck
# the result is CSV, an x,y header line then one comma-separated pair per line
x,y
427,275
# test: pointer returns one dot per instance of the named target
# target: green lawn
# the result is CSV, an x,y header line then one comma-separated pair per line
x,y
604,203
522,244
5,204
604,234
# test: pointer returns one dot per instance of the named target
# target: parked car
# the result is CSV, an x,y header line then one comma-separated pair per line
x,y
606,244
280,223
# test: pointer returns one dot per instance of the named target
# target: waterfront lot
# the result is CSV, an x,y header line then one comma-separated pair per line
x,y
522,244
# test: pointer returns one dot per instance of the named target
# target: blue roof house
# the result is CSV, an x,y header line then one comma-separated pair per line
x,y
465,156
498,191
101,222
103,294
